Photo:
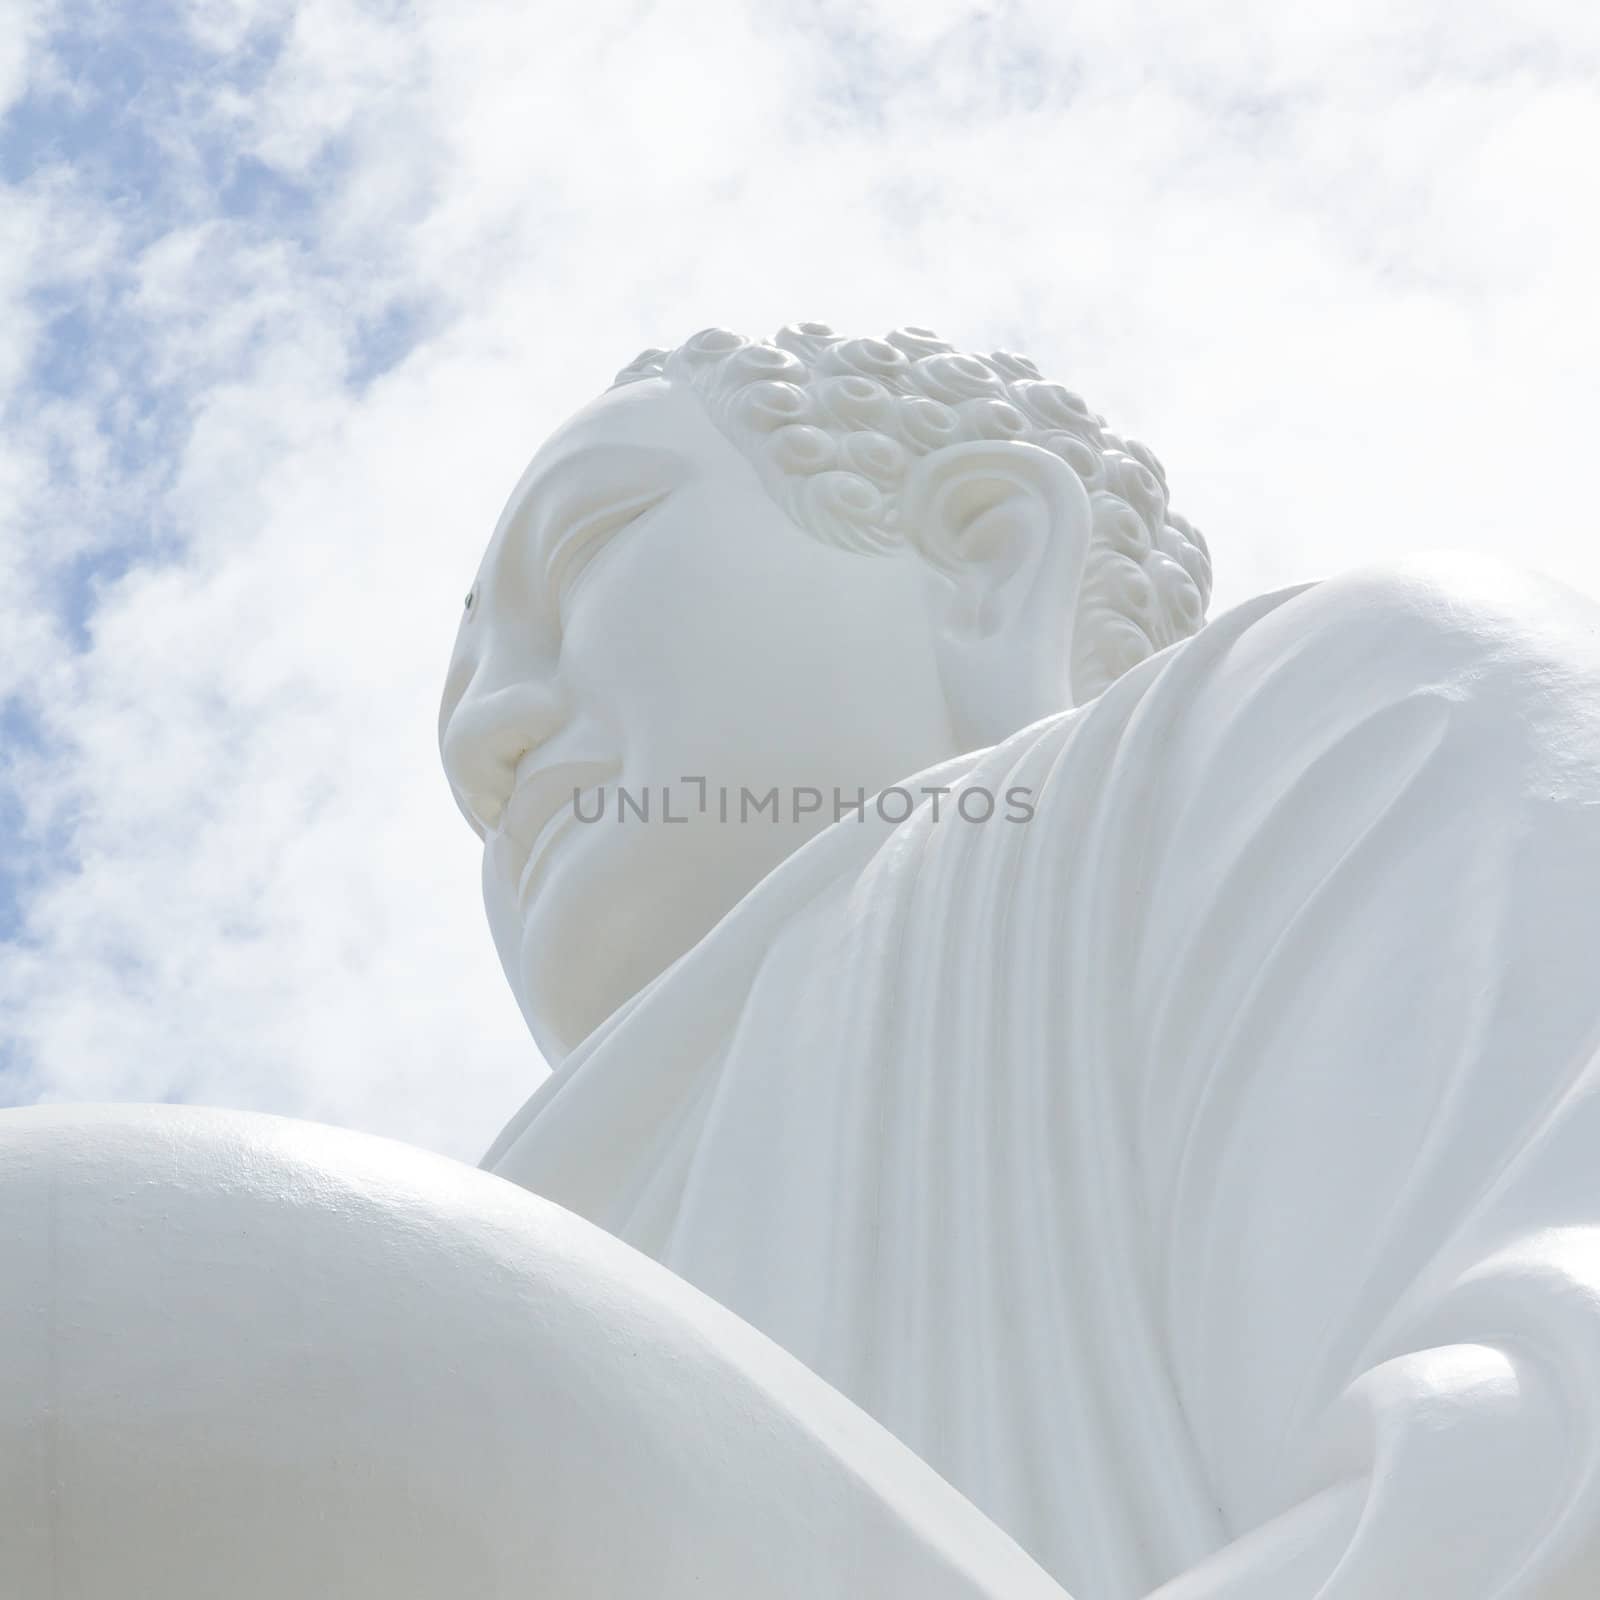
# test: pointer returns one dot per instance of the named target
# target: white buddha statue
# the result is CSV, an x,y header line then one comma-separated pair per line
x,y
1170,1120
1142,1070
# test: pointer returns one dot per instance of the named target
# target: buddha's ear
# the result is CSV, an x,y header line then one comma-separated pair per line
x,y
1003,529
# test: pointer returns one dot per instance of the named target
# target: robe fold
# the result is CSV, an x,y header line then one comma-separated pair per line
x,y
1204,1174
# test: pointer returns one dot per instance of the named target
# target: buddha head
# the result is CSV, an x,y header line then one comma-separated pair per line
x,y
809,566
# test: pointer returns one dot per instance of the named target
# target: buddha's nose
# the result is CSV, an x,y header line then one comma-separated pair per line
x,y
485,729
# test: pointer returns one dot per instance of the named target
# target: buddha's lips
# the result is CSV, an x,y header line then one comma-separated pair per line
x,y
536,811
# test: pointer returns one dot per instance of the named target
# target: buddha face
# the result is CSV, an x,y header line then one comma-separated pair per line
x,y
647,623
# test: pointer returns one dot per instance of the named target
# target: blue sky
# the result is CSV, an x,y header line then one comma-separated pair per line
x,y
288,293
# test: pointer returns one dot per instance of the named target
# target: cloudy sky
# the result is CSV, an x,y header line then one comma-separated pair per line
x,y
289,292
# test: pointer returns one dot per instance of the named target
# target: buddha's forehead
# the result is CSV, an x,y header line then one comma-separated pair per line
x,y
655,416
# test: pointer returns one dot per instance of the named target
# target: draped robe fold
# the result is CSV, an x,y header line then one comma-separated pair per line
x,y
1204,1175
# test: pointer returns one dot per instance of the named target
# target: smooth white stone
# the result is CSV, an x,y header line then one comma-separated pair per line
x,y
248,1357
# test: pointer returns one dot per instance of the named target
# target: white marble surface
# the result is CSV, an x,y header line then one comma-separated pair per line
x,y
259,1358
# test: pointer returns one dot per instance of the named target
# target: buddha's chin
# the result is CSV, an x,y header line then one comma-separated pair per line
x,y
612,912
592,938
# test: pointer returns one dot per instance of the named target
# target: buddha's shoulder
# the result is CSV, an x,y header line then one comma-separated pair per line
x,y
1422,616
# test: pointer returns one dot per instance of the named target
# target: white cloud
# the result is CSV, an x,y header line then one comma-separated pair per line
x,y
1336,268
20,26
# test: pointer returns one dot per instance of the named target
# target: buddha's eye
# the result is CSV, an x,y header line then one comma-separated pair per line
x,y
586,539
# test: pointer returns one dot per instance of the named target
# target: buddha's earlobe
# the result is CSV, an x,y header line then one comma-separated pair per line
x,y
1004,529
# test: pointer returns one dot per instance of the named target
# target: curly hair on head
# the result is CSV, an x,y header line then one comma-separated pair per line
x,y
834,425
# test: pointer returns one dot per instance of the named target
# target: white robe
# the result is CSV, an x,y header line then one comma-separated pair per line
x,y
1220,1146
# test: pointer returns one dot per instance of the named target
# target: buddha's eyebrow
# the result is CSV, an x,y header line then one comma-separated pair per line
x,y
580,484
